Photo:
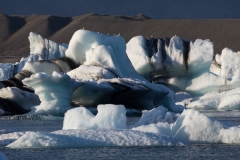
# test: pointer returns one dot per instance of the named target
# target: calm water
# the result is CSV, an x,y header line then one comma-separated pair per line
x,y
44,124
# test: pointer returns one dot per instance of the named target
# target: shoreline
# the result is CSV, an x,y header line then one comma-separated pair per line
x,y
15,30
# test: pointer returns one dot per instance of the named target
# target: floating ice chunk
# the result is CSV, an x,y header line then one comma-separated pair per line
x,y
194,127
198,128
173,62
138,55
6,71
85,72
47,49
159,114
8,138
169,57
228,100
109,52
40,49
200,57
159,128
92,138
54,91
42,66
24,99
230,63
109,117
3,156
207,82
133,93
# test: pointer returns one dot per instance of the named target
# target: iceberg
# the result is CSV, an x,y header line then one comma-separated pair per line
x,y
109,52
229,62
185,65
54,92
158,114
113,72
194,127
82,129
21,99
92,138
227,100
108,117
40,49
161,58
44,49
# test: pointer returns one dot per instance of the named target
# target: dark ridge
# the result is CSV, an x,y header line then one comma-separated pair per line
x,y
67,60
4,28
164,42
16,81
122,96
151,46
22,75
9,25
139,17
16,23
10,107
167,41
56,23
186,46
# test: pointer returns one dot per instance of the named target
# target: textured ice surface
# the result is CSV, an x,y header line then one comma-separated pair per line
x,y
24,99
7,70
133,93
227,100
92,138
190,127
108,117
230,63
194,127
40,49
169,59
109,52
54,91
159,114
86,72
168,62
7,138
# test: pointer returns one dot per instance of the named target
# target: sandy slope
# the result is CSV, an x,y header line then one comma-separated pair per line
x,y
14,30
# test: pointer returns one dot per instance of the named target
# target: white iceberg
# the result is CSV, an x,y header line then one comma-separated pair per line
x,y
227,100
190,127
194,127
92,138
108,117
171,57
109,52
159,114
22,98
54,91
40,49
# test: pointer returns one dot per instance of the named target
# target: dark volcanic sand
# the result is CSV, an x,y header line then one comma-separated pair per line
x,y
14,30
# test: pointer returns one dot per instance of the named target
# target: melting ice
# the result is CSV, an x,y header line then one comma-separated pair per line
x,y
97,70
